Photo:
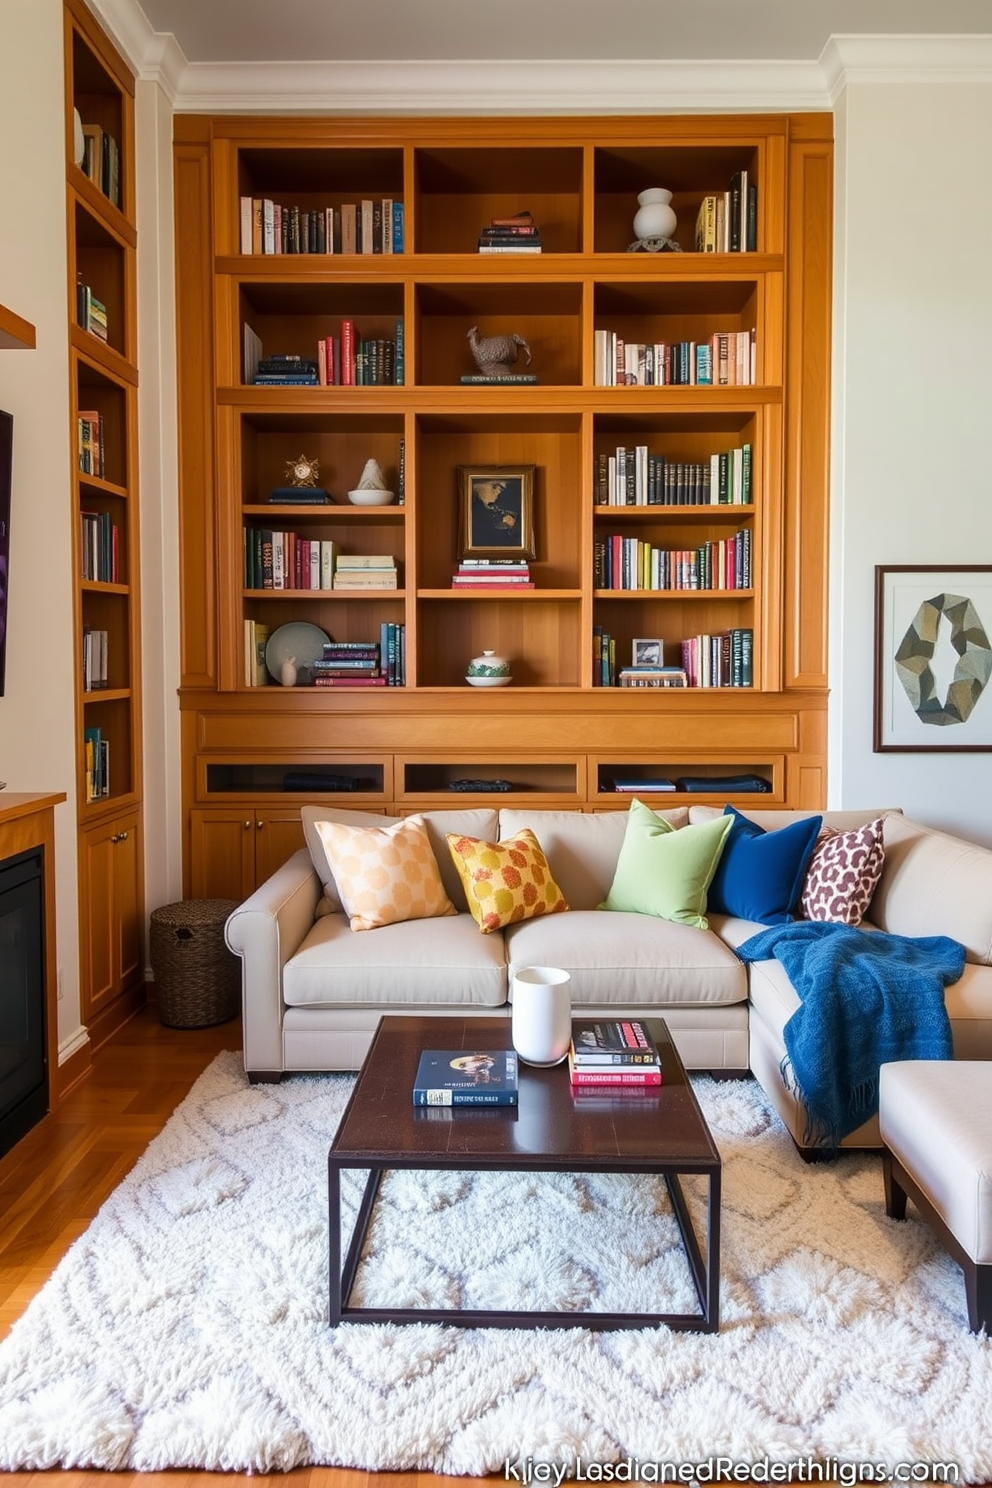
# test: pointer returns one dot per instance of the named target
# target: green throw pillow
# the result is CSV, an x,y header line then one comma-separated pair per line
x,y
664,872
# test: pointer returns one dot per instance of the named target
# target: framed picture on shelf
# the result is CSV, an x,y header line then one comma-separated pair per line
x,y
648,652
496,511
933,658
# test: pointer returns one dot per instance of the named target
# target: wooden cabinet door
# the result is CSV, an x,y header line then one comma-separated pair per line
x,y
112,933
98,913
222,853
278,834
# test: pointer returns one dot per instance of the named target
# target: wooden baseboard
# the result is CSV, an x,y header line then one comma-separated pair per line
x,y
73,1069
104,1024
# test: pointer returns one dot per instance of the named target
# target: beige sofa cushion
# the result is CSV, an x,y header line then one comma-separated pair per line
x,y
397,964
935,884
618,958
478,823
582,848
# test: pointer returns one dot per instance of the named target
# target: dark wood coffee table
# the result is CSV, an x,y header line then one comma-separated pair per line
x,y
550,1131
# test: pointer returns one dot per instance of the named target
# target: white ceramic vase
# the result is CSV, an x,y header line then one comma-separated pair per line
x,y
654,217
541,1016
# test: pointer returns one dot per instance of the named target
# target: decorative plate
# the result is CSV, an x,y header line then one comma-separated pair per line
x,y
298,639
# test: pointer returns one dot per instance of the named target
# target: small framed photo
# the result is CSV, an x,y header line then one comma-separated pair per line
x,y
933,658
648,653
496,511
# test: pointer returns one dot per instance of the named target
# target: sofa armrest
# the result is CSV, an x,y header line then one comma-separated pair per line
x,y
265,931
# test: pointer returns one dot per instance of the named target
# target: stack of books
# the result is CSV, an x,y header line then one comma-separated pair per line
x,y
516,234
286,371
653,676
365,571
492,573
349,664
615,1054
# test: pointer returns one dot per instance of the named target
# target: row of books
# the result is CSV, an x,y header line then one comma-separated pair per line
x,y
721,660
636,477
90,450
99,547
367,663
492,573
727,221
91,313
345,360
95,651
97,755
515,234
633,563
373,225
102,161
286,560
725,359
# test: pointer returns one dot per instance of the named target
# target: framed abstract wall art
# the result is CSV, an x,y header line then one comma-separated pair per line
x,y
933,658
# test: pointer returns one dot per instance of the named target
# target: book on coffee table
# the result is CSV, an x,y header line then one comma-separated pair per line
x,y
605,1043
463,1077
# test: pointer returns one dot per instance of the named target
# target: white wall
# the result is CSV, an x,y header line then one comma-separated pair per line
x,y
37,728
159,502
912,475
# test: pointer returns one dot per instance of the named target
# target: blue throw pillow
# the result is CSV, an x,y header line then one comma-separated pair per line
x,y
760,874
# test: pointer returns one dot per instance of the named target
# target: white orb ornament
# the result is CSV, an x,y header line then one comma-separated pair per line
x,y
654,217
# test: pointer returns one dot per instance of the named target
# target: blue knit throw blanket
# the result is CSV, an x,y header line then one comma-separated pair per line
x,y
866,998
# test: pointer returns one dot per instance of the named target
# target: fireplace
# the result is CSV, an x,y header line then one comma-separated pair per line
x,y
23,1059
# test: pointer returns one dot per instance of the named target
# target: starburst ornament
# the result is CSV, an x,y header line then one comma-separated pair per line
x,y
302,471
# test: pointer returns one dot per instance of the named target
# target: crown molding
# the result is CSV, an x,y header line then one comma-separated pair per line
x,y
905,59
537,87
501,87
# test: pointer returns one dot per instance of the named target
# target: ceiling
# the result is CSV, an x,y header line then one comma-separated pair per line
x,y
213,31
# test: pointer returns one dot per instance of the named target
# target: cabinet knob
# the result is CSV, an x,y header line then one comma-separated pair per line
x,y
247,826
259,825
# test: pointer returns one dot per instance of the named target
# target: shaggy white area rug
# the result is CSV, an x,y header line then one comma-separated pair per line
x,y
187,1327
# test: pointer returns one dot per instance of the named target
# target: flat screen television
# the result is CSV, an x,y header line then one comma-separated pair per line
x,y
6,448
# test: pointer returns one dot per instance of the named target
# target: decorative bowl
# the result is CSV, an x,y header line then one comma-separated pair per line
x,y
370,498
475,681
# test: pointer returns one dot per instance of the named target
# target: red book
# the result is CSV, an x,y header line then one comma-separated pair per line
x,y
646,1076
348,353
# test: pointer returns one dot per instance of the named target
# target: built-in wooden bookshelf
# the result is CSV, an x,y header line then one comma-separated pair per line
x,y
104,442
555,734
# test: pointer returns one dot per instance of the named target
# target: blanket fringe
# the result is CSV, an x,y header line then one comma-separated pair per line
x,y
816,1133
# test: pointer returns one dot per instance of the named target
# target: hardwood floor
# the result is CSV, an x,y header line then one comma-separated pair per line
x,y
54,1182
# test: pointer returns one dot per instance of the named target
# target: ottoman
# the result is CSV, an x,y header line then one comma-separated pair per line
x,y
933,1116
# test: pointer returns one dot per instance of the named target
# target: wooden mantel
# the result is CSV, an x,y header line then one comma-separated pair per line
x,y
15,331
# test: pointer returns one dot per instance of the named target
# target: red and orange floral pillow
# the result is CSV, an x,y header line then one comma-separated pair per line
x,y
505,882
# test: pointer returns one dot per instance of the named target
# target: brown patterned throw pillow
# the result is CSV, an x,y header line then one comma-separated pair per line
x,y
842,874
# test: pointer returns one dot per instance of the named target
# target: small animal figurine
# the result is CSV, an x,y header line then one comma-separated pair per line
x,y
495,355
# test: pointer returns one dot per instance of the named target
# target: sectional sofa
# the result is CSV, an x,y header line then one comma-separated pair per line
x,y
314,988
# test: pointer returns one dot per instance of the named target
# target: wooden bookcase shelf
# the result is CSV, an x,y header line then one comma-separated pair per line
x,y
102,334
580,179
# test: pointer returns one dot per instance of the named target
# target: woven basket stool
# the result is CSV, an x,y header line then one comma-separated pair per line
x,y
197,979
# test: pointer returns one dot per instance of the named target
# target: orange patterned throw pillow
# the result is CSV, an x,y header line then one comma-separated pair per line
x,y
385,874
505,881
